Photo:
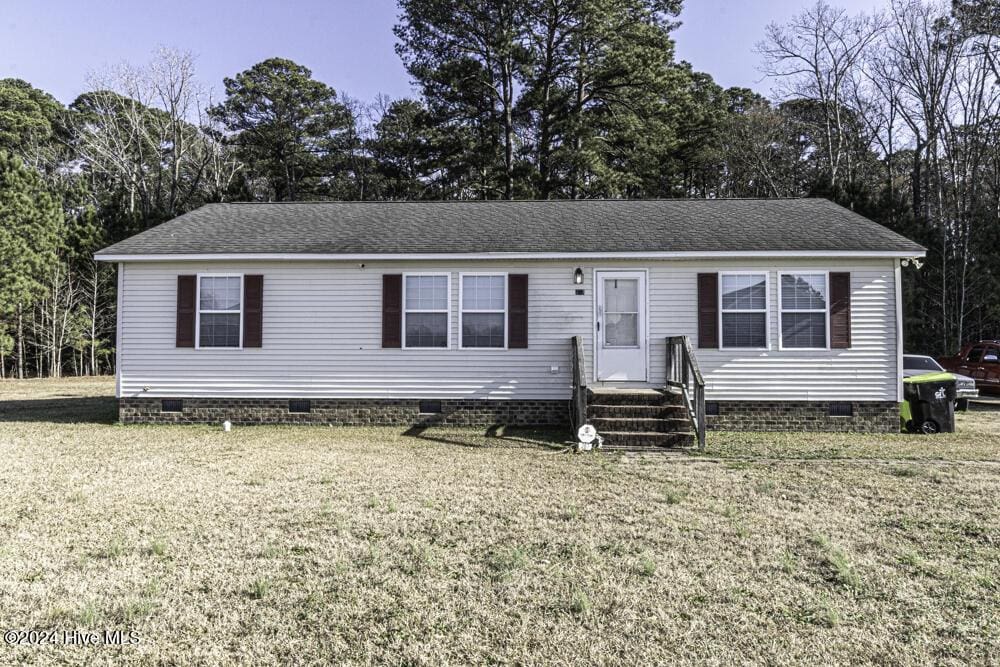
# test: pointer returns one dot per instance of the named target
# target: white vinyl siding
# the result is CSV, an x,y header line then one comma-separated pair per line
x,y
322,335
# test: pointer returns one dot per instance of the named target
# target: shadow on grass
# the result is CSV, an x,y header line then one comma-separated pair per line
x,y
62,410
498,434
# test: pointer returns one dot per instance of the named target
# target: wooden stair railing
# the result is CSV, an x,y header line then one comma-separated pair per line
x,y
683,373
579,405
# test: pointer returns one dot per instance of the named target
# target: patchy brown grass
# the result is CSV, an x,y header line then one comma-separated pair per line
x,y
273,545
977,438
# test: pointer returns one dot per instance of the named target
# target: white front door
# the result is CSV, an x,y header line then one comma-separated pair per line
x,y
621,326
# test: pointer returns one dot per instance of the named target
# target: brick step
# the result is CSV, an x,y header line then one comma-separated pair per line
x,y
636,411
641,425
648,397
629,440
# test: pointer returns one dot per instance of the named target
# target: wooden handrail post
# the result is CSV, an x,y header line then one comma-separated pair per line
x,y
683,372
579,400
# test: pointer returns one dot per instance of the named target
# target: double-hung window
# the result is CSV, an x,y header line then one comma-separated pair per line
x,y
484,310
425,310
220,311
743,311
804,311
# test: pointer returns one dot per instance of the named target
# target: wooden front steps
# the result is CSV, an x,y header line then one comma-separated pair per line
x,y
639,419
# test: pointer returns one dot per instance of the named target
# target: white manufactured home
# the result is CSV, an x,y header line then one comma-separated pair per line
x,y
642,317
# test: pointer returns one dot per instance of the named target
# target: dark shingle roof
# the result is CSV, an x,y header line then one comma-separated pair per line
x,y
581,226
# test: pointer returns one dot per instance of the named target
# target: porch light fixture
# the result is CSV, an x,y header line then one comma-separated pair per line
x,y
578,276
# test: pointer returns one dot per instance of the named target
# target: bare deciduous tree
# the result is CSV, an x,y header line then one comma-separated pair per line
x,y
813,57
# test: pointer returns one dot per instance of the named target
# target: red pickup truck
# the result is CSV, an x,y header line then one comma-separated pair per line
x,y
980,361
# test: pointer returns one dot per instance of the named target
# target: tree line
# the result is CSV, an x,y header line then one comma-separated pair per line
x,y
893,114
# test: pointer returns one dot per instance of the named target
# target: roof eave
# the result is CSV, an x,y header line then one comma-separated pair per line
x,y
368,257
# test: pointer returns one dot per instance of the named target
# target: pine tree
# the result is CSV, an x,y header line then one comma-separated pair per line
x,y
31,221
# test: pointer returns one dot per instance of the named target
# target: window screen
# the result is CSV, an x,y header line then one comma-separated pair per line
x,y
484,311
744,310
621,312
426,306
219,306
803,310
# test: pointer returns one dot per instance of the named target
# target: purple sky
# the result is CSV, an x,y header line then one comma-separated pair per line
x,y
348,45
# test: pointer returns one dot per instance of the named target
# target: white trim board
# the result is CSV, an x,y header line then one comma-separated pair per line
x,y
898,289
371,257
118,329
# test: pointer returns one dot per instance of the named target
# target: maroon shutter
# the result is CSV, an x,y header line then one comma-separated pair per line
x,y
517,310
840,310
392,310
708,310
253,311
186,295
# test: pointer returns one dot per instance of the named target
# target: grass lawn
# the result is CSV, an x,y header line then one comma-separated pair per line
x,y
313,545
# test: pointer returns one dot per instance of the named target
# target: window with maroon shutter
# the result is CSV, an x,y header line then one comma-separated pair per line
x,y
708,310
517,310
220,306
840,311
186,295
483,310
253,311
803,304
743,306
392,310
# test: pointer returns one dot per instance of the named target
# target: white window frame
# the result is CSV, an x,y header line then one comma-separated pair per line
x,y
198,311
447,310
781,310
767,309
462,311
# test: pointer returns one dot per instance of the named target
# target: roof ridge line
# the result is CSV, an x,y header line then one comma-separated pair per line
x,y
519,201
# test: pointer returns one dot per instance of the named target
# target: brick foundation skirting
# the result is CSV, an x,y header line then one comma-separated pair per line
x,y
346,412
866,416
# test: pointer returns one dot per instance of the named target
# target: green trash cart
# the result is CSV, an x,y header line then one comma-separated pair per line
x,y
929,403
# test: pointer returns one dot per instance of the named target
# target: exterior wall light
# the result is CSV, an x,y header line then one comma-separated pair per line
x,y
578,276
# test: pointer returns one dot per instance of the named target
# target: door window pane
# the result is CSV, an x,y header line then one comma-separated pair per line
x,y
621,312
621,329
621,295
